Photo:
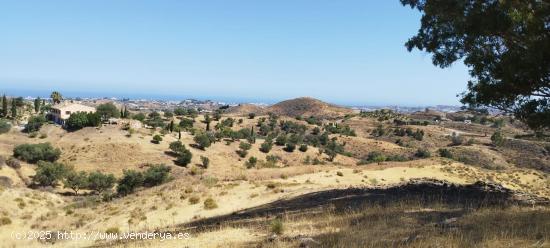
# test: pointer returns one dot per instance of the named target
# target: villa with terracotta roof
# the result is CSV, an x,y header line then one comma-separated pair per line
x,y
59,113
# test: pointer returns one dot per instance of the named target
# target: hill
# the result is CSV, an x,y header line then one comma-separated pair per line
x,y
245,109
306,106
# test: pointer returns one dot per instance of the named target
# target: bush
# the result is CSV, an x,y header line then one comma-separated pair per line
x,y
35,123
242,153
205,161
100,182
497,138
266,146
280,140
130,180
422,153
156,175
194,200
184,158
445,153
13,163
156,139
340,174
112,230
245,146
290,147
376,157
5,221
202,140
4,126
457,139
209,203
252,161
303,148
48,173
33,153
251,115
276,226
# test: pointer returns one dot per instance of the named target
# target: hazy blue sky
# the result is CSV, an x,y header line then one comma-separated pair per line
x,y
348,52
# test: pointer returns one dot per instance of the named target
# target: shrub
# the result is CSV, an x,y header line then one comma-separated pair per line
x,y
5,221
35,123
245,146
266,146
242,153
202,140
130,180
112,230
281,140
156,175
184,158
205,161
209,203
139,117
177,147
276,226
4,126
290,147
100,182
376,157
456,139
48,173
33,153
445,153
43,136
157,139
194,200
340,174
303,148
251,115
497,138
422,153
77,121
13,163
252,161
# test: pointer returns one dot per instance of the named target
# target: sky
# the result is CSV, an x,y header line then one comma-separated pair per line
x,y
347,52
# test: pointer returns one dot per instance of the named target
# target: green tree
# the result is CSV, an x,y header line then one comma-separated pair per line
x,y
107,110
77,121
202,140
207,120
94,119
100,182
505,44
13,108
37,102
48,173
4,106
217,114
332,149
76,180
184,158
130,180
56,97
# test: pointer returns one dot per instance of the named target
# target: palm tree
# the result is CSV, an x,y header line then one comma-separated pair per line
x,y
56,97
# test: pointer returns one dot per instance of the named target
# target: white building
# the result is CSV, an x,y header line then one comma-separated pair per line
x,y
59,113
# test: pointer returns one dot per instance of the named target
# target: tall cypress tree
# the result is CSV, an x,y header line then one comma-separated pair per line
x,y
126,114
4,106
13,108
37,104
